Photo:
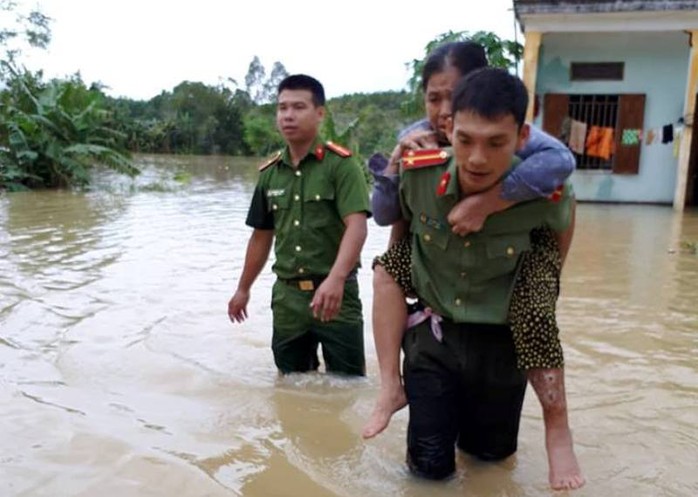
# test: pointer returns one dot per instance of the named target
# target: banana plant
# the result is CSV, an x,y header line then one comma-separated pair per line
x,y
347,138
54,134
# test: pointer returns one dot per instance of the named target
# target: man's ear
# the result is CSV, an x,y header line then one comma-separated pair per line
x,y
524,133
321,112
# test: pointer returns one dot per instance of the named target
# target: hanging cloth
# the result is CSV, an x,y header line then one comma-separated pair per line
x,y
651,135
599,143
578,133
631,137
668,133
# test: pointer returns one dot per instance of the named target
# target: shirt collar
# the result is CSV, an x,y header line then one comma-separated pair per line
x,y
317,150
452,189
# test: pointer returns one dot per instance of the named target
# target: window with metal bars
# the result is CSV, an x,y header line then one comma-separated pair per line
x,y
594,110
617,112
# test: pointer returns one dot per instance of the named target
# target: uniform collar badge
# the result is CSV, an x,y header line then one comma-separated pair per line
x,y
443,183
557,194
319,152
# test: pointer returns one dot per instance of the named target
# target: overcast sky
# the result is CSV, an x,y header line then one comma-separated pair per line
x,y
138,48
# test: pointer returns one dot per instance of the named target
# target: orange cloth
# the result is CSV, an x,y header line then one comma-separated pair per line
x,y
600,142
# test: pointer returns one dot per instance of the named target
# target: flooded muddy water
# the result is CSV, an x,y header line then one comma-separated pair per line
x,y
121,375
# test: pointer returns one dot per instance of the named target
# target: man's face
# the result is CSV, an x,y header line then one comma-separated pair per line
x,y
297,117
437,99
484,148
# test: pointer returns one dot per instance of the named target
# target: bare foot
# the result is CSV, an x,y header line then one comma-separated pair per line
x,y
564,468
390,400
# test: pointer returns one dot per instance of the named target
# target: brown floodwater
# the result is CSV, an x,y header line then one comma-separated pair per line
x,y
121,375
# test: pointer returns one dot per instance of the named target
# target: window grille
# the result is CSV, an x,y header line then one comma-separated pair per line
x,y
594,110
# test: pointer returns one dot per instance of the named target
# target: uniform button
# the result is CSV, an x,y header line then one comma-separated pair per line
x,y
298,173
301,270
457,301
296,197
427,238
463,274
296,222
298,248
317,197
274,207
467,244
510,251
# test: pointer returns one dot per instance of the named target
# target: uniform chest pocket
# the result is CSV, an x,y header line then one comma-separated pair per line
x,y
431,233
319,206
277,203
503,253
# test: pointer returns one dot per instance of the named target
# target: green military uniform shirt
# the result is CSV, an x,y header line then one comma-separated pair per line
x,y
305,207
469,279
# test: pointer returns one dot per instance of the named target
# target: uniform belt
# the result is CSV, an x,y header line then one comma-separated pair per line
x,y
310,283
306,283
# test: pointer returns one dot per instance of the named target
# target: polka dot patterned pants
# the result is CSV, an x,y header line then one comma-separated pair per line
x,y
532,308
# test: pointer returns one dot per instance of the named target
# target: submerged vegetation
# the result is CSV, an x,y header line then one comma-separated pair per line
x,y
54,133
690,247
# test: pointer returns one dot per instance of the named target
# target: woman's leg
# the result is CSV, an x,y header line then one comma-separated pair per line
x,y
564,471
389,320
391,282
535,332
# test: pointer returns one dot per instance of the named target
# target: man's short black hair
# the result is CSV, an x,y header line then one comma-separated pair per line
x,y
491,93
304,82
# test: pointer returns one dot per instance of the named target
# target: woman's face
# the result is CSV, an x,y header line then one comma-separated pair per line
x,y
437,99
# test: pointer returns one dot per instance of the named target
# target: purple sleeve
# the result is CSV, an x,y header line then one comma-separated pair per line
x,y
545,165
385,199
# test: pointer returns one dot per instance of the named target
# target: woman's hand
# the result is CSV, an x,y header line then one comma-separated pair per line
x,y
413,141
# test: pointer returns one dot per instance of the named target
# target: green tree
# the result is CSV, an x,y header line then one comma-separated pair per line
x,y
278,73
380,118
254,80
194,118
53,134
347,137
24,28
260,88
261,135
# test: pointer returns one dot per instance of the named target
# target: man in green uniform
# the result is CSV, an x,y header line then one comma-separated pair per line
x,y
461,379
313,198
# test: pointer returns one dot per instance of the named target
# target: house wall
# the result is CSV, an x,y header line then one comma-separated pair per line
x,y
656,64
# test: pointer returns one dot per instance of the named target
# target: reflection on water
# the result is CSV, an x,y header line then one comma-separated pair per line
x,y
121,375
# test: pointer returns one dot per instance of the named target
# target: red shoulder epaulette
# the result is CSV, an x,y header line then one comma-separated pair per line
x,y
415,159
273,159
557,194
338,149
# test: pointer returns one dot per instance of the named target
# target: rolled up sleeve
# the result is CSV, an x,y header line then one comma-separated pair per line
x,y
546,164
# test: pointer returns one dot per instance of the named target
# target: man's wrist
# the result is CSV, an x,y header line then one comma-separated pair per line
x,y
338,276
242,288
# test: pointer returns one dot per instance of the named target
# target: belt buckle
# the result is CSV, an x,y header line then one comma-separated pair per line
x,y
306,285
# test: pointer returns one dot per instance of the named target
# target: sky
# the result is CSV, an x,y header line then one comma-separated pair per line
x,y
138,48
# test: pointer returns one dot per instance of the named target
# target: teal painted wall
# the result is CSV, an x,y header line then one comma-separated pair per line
x,y
656,64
